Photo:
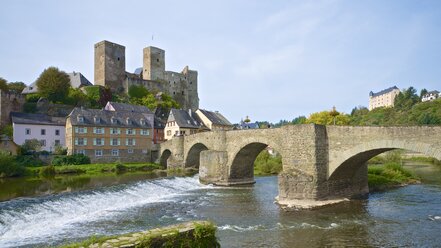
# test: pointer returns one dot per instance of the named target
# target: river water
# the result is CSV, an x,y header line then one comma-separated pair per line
x,y
246,216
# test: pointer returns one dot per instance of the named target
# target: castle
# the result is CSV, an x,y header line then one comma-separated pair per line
x,y
110,71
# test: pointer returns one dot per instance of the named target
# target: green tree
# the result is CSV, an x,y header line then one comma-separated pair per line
x,y
7,130
422,93
8,166
3,84
406,99
16,87
30,146
77,97
299,120
138,91
327,118
53,84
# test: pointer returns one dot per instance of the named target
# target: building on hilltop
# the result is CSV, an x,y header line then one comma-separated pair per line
x,y
9,102
214,120
181,122
110,71
384,98
109,135
77,80
50,131
430,96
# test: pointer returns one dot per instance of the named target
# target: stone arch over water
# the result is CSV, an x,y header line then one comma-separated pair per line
x,y
194,155
242,166
164,158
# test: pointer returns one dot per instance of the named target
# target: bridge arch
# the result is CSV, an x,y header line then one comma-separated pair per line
x,y
242,166
194,154
164,158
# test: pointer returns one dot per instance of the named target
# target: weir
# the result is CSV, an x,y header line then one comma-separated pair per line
x,y
321,164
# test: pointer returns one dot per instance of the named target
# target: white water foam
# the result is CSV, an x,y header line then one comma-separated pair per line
x,y
39,221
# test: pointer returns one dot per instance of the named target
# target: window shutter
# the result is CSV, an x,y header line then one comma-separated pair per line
x,y
76,141
94,130
134,142
134,131
127,131
85,130
119,131
119,141
147,133
76,129
94,141
85,141
127,142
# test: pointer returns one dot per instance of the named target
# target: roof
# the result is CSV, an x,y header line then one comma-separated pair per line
x,y
37,119
249,125
372,94
106,116
183,119
432,92
77,80
215,117
161,116
116,106
138,71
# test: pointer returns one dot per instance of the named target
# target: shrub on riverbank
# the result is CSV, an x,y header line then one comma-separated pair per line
x,y
382,177
75,159
425,159
9,167
47,171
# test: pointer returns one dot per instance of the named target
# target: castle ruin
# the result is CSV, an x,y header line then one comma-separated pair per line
x,y
110,71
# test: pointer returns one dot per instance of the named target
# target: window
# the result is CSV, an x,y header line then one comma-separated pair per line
x,y
142,122
43,142
114,142
177,133
115,131
98,141
168,132
28,131
43,131
80,119
145,132
57,132
113,120
129,122
81,130
129,150
80,152
130,131
57,142
98,130
130,142
115,152
96,119
80,141
98,153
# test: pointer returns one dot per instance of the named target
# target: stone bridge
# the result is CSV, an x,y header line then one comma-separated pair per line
x,y
321,164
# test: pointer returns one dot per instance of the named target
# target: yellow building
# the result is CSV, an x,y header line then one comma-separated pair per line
x,y
214,120
110,136
181,122
384,98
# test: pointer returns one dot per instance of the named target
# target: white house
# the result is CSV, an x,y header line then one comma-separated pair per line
x,y
430,96
50,131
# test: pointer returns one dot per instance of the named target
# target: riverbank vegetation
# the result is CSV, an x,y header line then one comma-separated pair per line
x,y
389,175
267,164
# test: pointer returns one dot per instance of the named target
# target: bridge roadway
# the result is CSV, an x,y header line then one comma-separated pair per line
x,y
321,164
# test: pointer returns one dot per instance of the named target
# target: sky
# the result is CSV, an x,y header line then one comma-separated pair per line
x,y
269,60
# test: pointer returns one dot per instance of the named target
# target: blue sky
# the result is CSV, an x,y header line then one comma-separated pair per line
x,y
269,60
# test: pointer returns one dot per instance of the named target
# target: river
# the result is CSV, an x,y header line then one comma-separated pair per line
x,y
246,216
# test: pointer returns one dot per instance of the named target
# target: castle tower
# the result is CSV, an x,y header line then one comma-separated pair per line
x,y
153,63
110,65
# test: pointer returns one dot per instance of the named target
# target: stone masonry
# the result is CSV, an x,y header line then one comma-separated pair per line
x,y
320,163
9,102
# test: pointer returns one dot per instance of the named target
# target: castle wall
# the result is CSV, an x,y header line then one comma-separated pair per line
x,y
9,102
110,65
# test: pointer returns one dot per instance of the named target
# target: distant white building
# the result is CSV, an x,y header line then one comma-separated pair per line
x,y
430,96
77,80
50,131
384,98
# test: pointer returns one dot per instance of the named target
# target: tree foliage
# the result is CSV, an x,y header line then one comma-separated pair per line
x,y
16,87
53,84
327,118
3,84
139,95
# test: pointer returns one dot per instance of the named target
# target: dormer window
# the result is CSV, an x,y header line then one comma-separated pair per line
x,y
113,120
80,119
97,120
142,122
129,122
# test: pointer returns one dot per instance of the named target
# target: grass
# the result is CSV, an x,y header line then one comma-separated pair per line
x,y
93,169
425,159
389,175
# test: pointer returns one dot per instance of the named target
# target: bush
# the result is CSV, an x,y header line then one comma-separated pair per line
x,y
9,167
32,98
29,161
119,168
30,107
75,159
47,171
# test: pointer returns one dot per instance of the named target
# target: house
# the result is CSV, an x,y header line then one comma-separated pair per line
x,y
50,131
430,96
6,144
109,136
161,116
77,80
214,120
181,122
384,98
246,125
